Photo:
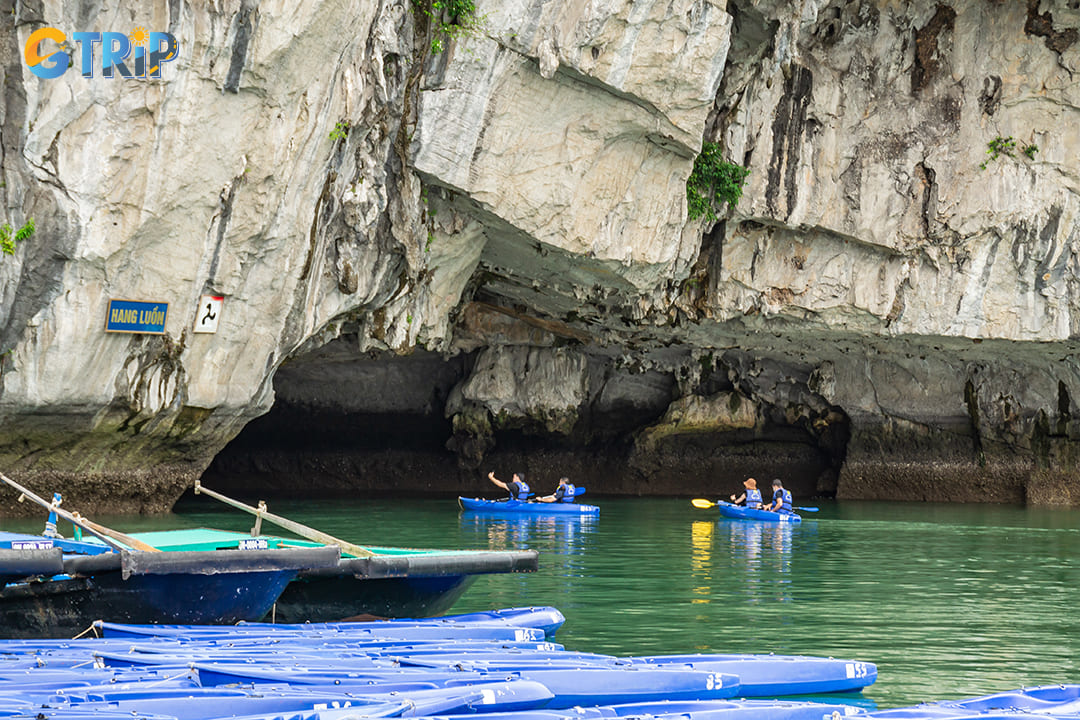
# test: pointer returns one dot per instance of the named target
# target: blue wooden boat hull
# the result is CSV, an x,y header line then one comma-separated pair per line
x,y
516,507
394,583
143,587
738,512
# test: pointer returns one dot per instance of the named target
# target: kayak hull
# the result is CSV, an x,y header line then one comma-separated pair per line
x,y
738,512
516,507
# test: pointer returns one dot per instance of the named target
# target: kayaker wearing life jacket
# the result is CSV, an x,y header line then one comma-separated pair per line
x,y
752,496
518,488
781,498
564,493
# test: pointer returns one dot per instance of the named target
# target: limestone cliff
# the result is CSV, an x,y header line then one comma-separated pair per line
x,y
444,260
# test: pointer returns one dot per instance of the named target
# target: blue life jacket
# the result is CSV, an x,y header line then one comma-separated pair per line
x,y
565,493
785,495
753,498
519,490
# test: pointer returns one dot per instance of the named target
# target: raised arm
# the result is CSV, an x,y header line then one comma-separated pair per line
x,y
497,481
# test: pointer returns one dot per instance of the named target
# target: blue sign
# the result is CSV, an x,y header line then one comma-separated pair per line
x,y
135,316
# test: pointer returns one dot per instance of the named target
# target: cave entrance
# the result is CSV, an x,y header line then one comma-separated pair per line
x,y
344,423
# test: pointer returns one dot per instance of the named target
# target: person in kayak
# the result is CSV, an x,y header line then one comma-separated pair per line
x,y
751,497
518,488
781,498
564,493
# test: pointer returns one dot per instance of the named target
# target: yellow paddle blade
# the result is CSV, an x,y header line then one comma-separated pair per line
x,y
702,503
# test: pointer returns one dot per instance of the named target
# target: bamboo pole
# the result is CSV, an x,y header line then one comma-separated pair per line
x,y
115,539
302,530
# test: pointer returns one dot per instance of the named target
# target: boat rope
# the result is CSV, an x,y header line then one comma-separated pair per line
x,y
187,672
92,628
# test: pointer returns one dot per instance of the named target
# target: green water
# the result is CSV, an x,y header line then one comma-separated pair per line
x,y
947,600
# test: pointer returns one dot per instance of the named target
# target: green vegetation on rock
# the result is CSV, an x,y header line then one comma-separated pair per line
x,y
1006,146
712,183
9,239
448,19
340,131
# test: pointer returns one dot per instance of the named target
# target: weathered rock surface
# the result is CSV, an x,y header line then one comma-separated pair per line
x,y
442,261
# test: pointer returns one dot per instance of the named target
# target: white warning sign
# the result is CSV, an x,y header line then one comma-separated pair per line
x,y
206,318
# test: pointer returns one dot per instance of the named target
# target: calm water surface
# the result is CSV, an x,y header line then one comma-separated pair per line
x,y
948,600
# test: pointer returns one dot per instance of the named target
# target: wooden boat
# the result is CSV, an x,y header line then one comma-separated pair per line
x,y
739,512
319,579
517,507
60,590
371,580
388,582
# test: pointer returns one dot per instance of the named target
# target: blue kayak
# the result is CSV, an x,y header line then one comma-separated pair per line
x,y
528,508
739,512
385,631
1047,701
772,675
545,619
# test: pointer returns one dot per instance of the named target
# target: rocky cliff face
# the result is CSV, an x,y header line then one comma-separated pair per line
x,y
447,260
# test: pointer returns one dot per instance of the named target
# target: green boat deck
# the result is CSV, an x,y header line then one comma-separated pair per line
x,y
211,539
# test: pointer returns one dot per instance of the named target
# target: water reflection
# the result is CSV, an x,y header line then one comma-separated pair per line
x,y
564,535
756,556
701,545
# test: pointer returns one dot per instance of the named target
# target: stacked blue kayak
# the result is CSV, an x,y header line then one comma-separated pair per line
x,y
502,664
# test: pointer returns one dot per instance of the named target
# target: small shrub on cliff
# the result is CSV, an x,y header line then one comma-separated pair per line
x,y
448,20
340,131
997,147
9,239
712,183
1006,146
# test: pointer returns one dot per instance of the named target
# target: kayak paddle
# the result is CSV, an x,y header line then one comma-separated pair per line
x,y
704,504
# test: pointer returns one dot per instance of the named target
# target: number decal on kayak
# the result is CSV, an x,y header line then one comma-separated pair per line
x,y
714,682
858,670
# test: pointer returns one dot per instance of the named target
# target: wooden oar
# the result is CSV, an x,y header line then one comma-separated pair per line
x,y
302,530
115,539
703,504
